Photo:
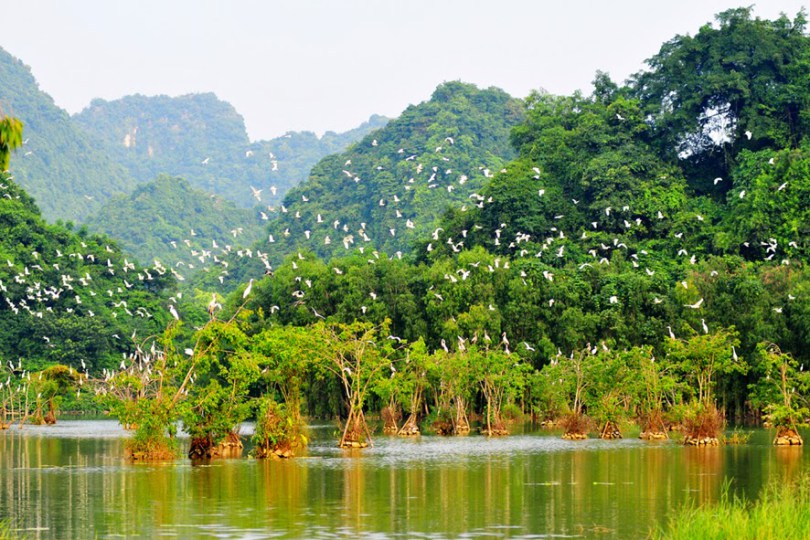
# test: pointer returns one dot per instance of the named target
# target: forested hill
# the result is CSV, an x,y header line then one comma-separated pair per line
x,y
59,165
168,220
662,213
68,296
394,185
203,139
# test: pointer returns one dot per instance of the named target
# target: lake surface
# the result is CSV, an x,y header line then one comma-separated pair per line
x,y
70,481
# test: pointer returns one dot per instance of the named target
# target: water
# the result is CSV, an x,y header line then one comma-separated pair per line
x,y
70,481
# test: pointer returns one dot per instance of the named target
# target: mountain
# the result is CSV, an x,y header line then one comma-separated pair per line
x,y
168,220
204,139
59,165
392,187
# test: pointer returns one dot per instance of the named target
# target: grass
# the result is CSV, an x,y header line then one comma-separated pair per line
x,y
782,511
737,437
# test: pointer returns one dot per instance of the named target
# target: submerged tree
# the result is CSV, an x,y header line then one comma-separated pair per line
x,y
357,358
656,389
277,433
568,380
781,391
412,382
610,397
700,360
50,385
285,355
501,377
217,402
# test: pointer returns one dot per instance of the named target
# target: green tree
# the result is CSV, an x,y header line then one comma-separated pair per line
x,y
11,130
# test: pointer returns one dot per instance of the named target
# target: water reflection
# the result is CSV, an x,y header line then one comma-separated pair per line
x,y
72,482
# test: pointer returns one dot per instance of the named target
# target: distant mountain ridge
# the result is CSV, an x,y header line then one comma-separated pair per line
x,y
59,165
203,139
73,165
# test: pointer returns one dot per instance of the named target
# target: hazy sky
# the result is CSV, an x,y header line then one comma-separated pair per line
x,y
329,64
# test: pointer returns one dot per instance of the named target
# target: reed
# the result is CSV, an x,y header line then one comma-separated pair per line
x,y
782,511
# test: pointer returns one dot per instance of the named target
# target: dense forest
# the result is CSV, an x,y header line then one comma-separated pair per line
x,y
637,253
69,296
168,220
392,187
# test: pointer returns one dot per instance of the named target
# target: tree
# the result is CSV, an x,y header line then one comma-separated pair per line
x,y
11,131
703,93
700,360
775,391
357,357
222,371
501,377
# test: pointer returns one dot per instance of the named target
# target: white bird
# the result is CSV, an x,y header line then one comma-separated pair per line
x,y
696,305
248,288
671,333
705,328
213,304
257,193
748,134
742,194
173,311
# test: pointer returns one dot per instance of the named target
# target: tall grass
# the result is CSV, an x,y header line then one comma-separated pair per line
x,y
782,511
5,530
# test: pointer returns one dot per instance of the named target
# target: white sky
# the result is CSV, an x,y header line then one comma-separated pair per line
x,y
329,64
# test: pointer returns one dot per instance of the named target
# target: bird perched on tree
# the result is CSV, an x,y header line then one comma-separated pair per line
x,y
213,305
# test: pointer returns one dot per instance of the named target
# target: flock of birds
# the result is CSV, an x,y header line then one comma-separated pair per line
x,y
305,223
432,170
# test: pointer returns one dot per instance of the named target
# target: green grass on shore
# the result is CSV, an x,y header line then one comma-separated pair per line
x,y
782,511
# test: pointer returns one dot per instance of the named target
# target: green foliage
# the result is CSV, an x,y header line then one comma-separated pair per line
x,y
782,510
704,92
277,431
704,357
781,388
168,220
11,130
221,370
400,177
68,296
